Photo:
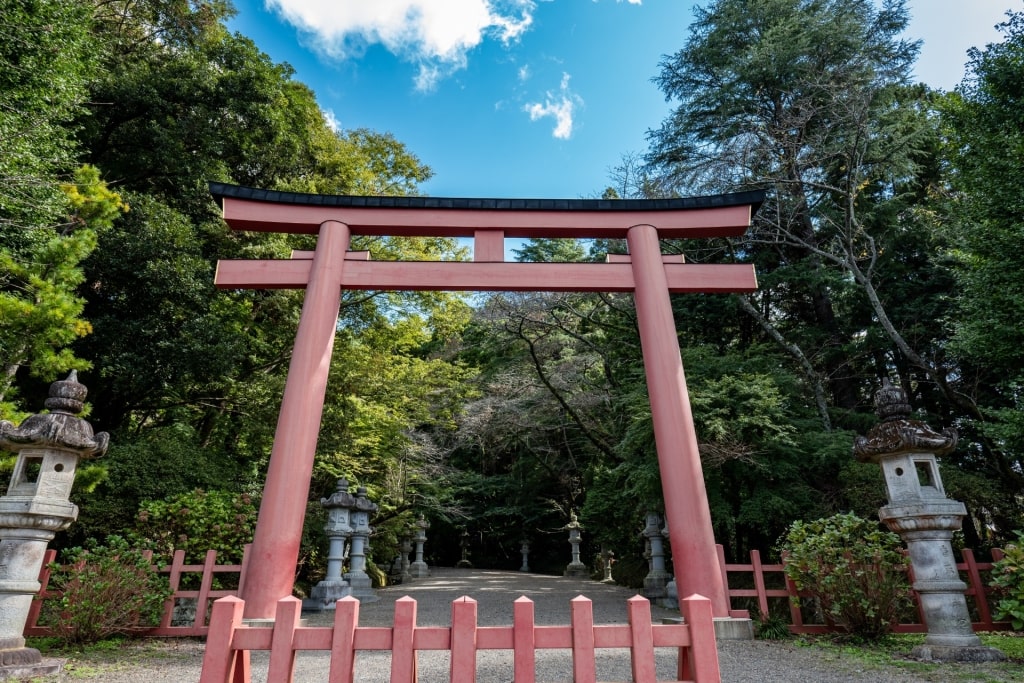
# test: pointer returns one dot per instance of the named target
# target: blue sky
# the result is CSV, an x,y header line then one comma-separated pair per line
x,y
525,98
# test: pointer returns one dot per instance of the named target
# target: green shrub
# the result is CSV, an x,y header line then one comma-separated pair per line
x,y
196,522
106,590
854,569
1008,579
771,626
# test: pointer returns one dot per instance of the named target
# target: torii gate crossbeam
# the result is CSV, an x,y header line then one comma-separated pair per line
x,y
333,267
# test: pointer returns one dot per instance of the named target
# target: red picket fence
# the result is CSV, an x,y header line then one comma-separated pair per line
x,y
176,571
228,646
764,574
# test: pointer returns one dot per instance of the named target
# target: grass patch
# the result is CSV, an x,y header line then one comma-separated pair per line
x,y
101,660
893,653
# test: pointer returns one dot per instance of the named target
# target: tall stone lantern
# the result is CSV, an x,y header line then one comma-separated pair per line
x,y
925,519
575,569
657,577
334,587
36,507
358,579
419,568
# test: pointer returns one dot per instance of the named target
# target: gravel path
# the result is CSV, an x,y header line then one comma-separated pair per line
x,y
179,661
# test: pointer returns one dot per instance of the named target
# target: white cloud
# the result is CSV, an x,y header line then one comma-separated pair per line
x,y
560,106
331,120
434,34
524,73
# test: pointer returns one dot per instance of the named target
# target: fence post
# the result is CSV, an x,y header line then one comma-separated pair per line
x,y
282,655
343,640
641,635
403,657
977,588
762,595
174,581
463,642
584,666
44,581
795,616
720,550
703,651
524,662
205,584
221,664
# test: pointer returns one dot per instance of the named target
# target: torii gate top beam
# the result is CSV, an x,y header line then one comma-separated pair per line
x,y
726,215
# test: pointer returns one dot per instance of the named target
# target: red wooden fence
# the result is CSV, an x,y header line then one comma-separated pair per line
x,y
970,571
230,642
175,571
761,575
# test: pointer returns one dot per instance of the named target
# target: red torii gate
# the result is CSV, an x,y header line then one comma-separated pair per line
x,y
332,267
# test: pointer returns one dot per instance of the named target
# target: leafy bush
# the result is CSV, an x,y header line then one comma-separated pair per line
x,y
1008,579
854,569
106,590
196,522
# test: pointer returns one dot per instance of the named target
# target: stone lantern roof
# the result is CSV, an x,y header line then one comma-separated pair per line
x,y
897,433
59,428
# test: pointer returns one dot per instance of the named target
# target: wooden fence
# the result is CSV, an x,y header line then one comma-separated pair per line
x,y
763,585
229,642
176,571
762,575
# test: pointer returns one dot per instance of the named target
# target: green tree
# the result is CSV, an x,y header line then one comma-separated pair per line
x,y
46,61
187,378
538,250
39,304
984,123
810,100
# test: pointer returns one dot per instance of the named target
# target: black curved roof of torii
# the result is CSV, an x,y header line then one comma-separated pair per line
x,y
753,198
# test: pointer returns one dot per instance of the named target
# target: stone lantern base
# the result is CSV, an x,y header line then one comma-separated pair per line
x,y
26,663
325,595
576,570
656,585
956,653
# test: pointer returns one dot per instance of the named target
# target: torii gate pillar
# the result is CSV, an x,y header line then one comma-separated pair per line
x,y
682,476
286,490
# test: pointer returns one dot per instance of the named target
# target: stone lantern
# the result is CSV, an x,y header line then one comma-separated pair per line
x,y
405,548
575,568
524,550
36,507
657,577
339,505
607,560
418,568
358,579
464,562
925,519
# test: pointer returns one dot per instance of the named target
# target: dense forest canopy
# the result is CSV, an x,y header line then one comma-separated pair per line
x,y
888,248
